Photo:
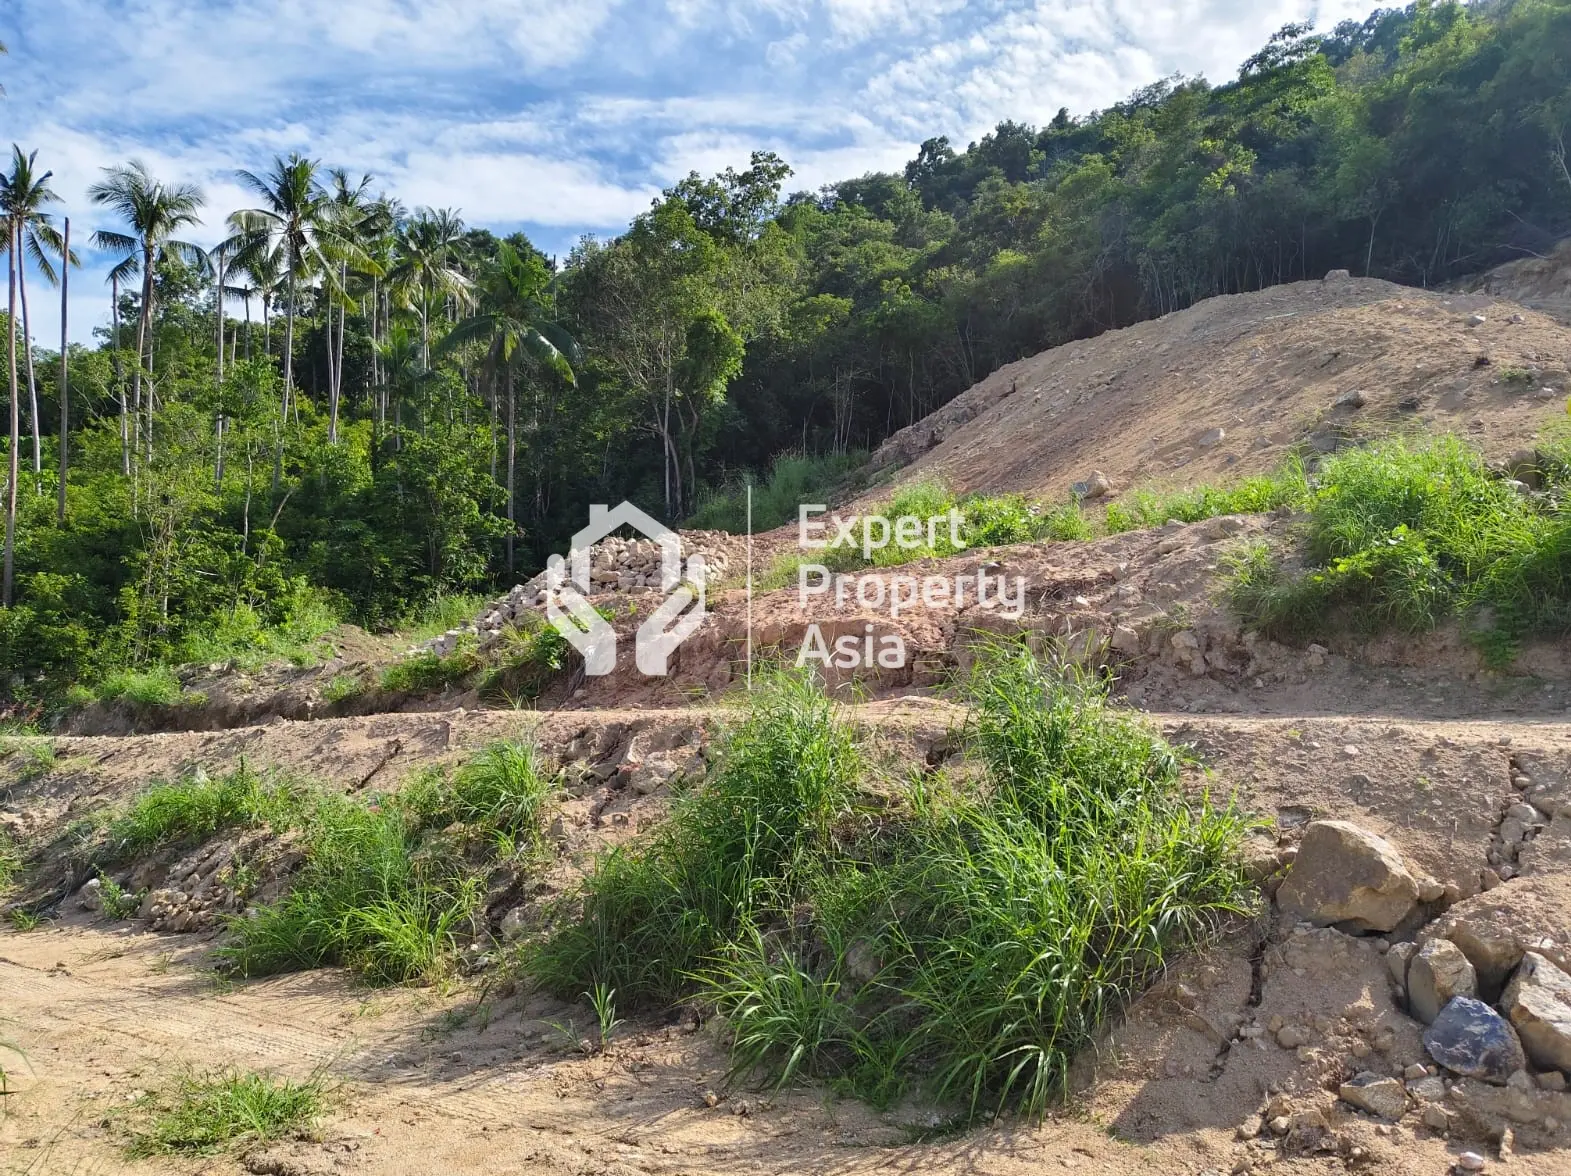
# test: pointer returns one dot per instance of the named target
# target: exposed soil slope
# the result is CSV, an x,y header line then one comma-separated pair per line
x,y
1229,386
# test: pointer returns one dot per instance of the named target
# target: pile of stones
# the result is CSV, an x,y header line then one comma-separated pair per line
x,y
615,566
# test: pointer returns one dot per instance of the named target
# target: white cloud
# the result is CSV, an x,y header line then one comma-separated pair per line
x,y
568,115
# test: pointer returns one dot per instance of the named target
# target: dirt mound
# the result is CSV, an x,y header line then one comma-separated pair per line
x,y
1231,385
1542,283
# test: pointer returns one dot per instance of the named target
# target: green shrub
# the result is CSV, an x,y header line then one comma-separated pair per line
x,y
530,655
341,688
155,686
1403,537
224,1111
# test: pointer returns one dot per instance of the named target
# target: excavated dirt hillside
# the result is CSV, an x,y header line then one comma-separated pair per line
x,y
1231,385
1543,283
1400,780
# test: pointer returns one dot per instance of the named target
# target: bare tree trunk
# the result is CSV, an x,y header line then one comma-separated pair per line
x,y
32,383
65,377
13,473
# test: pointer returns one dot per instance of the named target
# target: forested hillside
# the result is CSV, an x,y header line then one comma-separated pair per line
x,y
350,407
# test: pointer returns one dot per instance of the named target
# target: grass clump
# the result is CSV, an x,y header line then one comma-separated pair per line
x,y
654,914
387,885
342,688
152,687
194,808
443,612
1141,509
427,672
10,861
531,654
971,941
1403,537
225,1111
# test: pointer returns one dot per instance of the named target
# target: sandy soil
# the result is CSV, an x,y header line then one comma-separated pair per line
x,y
1267,369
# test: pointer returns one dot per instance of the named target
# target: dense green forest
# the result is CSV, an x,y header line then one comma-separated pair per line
x,y
350,407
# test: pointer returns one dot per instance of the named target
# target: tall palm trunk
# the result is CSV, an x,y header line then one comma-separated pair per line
x,y
289,376
218,420
32,382
143,323
65,378
512,457
13,473
125,416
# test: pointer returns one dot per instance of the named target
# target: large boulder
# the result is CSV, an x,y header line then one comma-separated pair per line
x,y
1538,1004
1495,930
1471,1039
1347,875
1436,974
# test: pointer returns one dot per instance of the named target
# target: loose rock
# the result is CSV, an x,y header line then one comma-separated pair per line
x,y
1439,972
1376,1094
1471,1039
1344,874
1538,1003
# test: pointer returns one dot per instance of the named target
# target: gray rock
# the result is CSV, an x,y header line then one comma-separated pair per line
x,y
1211,438
1376,1094
1344,874
91,896
1438,973
1538,1004
1471,1039
1339,275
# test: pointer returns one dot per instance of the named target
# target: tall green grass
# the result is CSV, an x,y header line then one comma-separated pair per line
x,y
970,941
652,915
190,810
1141,509
153,686
1402,537
388,885
793,479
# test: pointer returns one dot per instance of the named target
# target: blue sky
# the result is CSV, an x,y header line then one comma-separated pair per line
x,y
563,117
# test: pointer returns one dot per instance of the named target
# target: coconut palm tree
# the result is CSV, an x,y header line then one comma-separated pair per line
x,y
155,212
293,226
428,270
23,195
8,562
351,225
516,318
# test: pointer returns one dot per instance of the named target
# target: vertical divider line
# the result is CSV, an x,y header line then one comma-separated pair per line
x,y
749,587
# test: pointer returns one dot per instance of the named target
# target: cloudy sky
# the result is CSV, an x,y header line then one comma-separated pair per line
x,y
566,116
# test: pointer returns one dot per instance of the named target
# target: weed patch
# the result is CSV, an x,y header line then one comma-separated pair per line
x,y
428,672
387,885
155,686
1403,537
968,940
1141,509
194,808
223,1112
